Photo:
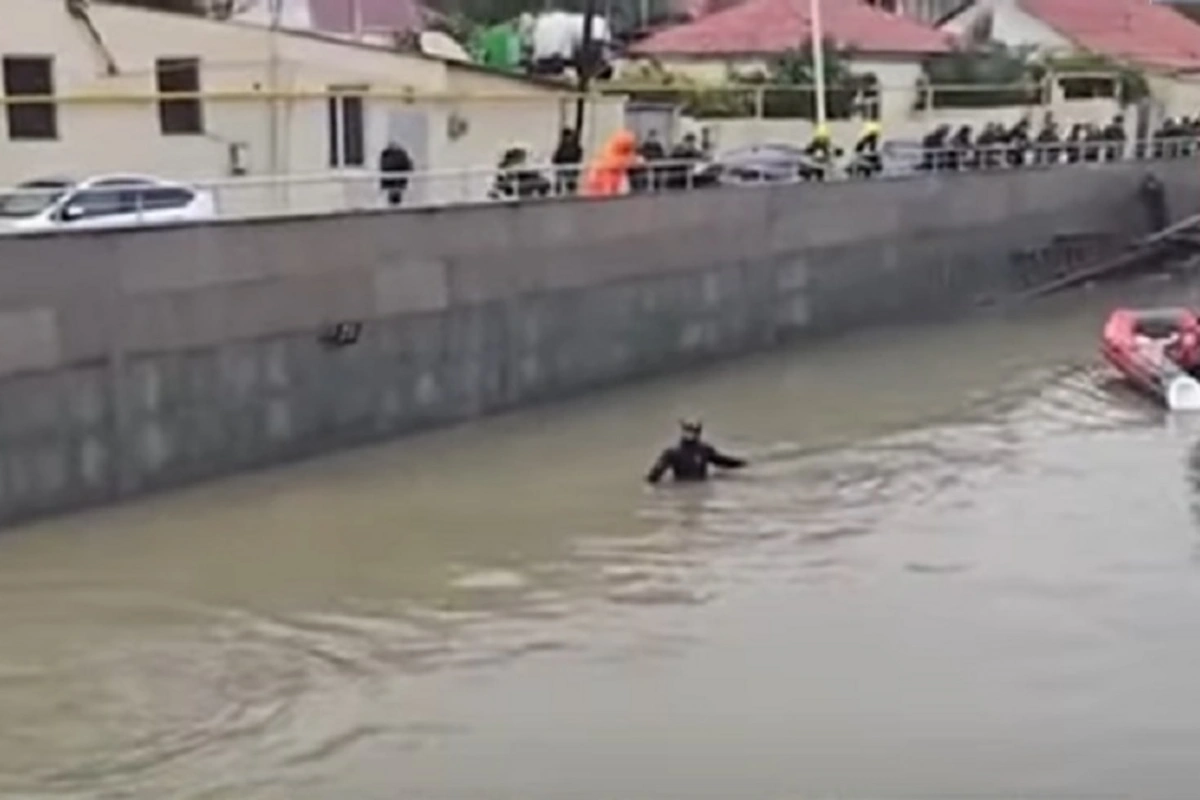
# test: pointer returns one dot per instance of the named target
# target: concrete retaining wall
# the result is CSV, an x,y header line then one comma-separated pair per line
x,y
135,361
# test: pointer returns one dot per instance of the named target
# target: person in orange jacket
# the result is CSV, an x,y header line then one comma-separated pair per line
x,y
608,174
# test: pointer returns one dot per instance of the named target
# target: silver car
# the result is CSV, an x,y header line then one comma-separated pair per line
x,y
109,201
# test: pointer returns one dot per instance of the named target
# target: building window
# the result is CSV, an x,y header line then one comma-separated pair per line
x,y
347,131
30,76
184,116
164,198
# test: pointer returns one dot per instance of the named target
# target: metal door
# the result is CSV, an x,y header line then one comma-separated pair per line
x,y
642,118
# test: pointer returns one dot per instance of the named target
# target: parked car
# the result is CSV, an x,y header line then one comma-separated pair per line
x,y
756,163
901,157
109,201
787,163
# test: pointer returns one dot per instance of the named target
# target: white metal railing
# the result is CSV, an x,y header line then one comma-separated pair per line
x,y
340,192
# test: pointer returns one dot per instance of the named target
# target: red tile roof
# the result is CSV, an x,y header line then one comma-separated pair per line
x,y
694,9
1129,30
374,16
775,26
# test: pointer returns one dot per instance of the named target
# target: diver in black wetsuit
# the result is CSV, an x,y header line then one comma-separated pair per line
x,y
689,460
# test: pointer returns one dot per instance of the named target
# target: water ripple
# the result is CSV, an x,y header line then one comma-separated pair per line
x,y
135,688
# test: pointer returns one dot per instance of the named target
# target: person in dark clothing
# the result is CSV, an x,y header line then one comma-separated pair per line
x,y
684,157
568,155
1074,149
1093,136
653,153
962,149
867,161
1017,139
1175,138
1114,134
688,149
1048,139
514,180
690,459
992,146
932,146
1164,139
821,152
1189,129
652,149
395,164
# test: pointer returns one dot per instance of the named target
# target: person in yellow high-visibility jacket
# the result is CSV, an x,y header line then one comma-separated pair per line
x,y
867,161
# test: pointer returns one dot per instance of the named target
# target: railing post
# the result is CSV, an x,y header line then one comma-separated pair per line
x,y
760,107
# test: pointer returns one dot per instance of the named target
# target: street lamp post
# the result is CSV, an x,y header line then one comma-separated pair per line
x,y
584,66
818,57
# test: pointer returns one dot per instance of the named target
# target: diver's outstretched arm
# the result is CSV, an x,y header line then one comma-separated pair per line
x,y
723,461
660,467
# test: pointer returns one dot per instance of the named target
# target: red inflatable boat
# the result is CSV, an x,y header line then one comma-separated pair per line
x,y
1158,351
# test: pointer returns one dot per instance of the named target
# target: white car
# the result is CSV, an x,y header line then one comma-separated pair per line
x,y
109,201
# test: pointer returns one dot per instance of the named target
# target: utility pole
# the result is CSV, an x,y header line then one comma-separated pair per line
x,y
818,56
275,7
585,65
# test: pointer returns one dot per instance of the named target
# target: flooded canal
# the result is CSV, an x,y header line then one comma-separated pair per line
x,y
962,563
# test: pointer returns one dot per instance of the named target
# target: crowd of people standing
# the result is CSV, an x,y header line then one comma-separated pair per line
x,y
625,164
997,145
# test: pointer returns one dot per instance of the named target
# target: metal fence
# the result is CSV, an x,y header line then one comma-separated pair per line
x,y
227,131
855,95
130,202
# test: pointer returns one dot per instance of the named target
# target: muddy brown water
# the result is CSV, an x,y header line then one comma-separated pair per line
x,y
964,563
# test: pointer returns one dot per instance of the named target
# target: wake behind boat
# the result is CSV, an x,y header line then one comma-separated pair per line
x,y
1158,352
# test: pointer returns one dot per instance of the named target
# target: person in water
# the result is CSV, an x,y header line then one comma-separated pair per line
x,y
690,459
1183,347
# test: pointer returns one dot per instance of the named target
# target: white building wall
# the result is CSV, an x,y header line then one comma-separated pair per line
x,y
1176,96
106,124
898,80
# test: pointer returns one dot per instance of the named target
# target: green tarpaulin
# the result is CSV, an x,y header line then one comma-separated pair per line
x,y
499,47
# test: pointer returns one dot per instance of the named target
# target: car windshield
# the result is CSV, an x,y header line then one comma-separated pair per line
x,y
31,198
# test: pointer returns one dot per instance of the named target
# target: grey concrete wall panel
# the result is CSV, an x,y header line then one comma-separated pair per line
x,y
132,361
